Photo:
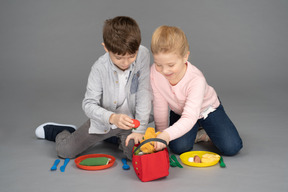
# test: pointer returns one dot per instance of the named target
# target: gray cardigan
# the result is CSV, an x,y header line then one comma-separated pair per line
x,y
102,92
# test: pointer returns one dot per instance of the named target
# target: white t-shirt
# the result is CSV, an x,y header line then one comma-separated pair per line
x,y
122,106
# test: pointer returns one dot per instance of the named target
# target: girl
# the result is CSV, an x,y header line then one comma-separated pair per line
x,y
180,86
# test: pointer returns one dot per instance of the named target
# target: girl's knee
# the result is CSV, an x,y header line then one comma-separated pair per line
x,y
231,150
179,149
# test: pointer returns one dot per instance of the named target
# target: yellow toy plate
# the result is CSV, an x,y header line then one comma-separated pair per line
x,y
185,156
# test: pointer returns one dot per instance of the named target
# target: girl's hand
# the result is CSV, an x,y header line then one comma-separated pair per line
x,y
158,145
122,121
136,136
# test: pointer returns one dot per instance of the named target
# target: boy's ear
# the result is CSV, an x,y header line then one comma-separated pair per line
x,y
105,47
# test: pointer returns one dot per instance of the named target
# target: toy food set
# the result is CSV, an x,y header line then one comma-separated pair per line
x,y
149,164
94,162
200,158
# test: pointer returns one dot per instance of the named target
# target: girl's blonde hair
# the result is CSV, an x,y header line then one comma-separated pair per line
x,y
167,39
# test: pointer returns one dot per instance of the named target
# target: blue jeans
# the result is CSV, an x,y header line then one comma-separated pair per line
x,y
219,128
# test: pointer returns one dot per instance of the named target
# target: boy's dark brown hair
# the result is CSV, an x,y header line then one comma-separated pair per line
x,y
121,35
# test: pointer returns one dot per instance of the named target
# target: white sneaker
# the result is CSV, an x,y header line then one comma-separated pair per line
x,y
40,132
201,136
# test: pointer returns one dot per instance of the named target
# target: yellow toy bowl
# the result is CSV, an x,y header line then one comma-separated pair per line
x,y
185,158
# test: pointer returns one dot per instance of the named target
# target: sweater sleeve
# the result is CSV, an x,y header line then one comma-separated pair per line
x,y
160,104
191,111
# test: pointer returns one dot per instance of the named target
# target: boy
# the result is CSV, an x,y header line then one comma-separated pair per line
x,y
118,90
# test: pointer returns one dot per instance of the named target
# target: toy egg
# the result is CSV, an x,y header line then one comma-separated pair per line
x,y
191,159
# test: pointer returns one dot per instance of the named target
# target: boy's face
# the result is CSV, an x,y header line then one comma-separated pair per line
x,y
123,62
171,65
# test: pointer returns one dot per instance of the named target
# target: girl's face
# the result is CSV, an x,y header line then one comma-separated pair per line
x,y
171,65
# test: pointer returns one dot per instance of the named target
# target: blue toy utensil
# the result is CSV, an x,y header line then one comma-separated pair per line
x,y
125,165
54,167
62,168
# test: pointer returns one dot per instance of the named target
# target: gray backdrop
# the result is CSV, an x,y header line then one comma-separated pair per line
x,y
47,48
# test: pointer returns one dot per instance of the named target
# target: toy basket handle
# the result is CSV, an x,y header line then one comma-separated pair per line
x,y
149,140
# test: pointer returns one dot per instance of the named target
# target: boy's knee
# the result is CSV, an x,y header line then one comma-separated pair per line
x,y
127,150
65,152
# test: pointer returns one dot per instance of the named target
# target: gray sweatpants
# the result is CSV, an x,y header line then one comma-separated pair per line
x,y
70,145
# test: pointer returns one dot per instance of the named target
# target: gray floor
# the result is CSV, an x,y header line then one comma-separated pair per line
x,y
48,47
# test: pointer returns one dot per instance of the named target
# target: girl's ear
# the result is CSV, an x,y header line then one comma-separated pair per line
x,y
187,56
105,47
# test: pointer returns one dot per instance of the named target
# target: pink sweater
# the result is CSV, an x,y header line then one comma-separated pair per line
x,y
190,98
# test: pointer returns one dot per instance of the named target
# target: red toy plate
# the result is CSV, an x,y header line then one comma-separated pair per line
x,y
94,168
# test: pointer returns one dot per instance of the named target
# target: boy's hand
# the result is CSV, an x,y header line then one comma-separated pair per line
x,y
164,136
122,121
136,136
